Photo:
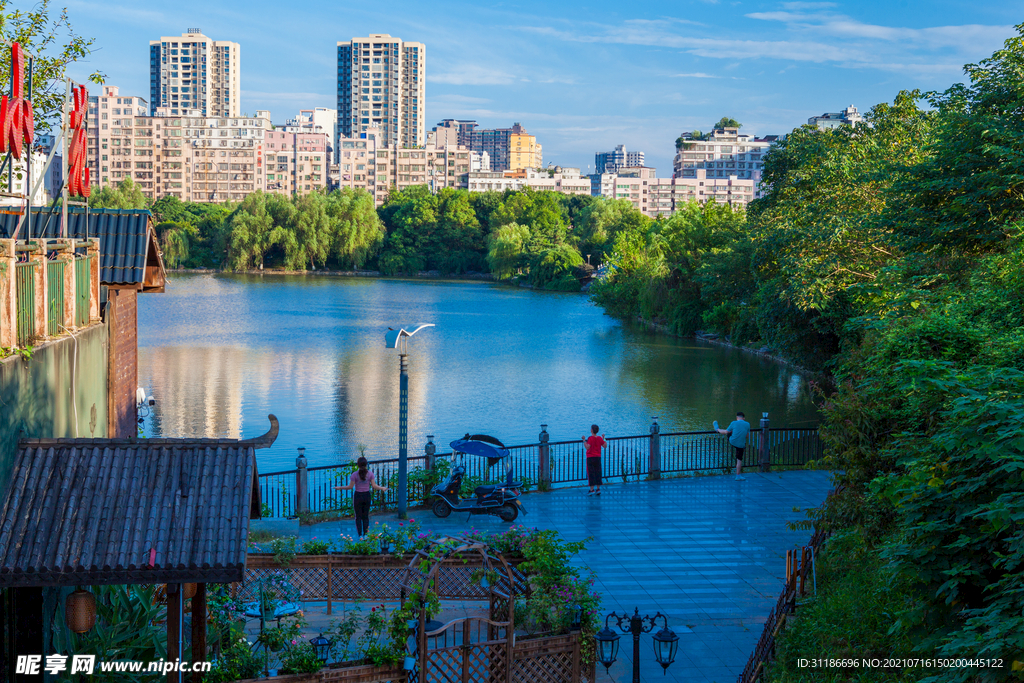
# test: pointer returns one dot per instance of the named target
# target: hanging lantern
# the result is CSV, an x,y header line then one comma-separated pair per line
x,y
80,611
188,591
666,643
607,647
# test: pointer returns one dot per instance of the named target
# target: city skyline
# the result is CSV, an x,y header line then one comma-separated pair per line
x,y
581,85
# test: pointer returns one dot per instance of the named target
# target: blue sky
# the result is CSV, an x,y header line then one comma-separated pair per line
x,y
583,76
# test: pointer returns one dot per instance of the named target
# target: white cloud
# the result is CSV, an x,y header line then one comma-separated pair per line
x,y
696,75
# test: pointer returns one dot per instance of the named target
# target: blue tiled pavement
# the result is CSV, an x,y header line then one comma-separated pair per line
x,y
708,552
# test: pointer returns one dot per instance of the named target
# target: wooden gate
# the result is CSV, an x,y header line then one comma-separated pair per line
x,y
470,650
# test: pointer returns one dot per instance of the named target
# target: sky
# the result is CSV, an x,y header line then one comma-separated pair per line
x,y
583,77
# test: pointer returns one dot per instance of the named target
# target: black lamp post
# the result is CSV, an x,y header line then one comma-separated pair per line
x,y
577,617
322,647
385,544
666,642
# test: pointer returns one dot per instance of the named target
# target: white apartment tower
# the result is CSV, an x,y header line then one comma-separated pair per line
x,y
382,85
192,72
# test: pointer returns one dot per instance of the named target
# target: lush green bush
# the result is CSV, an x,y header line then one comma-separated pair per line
x,y
858,601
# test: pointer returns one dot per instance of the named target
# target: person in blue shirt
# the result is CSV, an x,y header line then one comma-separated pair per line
x,y
737,432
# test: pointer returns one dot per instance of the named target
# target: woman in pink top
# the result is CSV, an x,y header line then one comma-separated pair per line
x,y
362,480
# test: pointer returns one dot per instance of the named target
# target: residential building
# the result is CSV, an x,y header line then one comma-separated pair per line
x,y
610,162
54,176
497,181
192,71
479,161
723,153
296,163
196,158
847,117
316,120
22,184
524,152
382,85
556,179
497,142
662,196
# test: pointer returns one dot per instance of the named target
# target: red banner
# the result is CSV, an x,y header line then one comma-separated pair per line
x,y
78,170
17,125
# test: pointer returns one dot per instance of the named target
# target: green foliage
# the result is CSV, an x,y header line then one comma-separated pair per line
x,y
126,195
300,658
125,627
554,269
858,599
235,663
55,45
727,122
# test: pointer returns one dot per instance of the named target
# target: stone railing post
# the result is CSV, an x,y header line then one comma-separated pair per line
x,y
39,274
301,483
764,456
67,321
654,465
93,252
543,459
429,450
8,295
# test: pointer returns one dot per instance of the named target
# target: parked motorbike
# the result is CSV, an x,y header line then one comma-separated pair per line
x,y
501,500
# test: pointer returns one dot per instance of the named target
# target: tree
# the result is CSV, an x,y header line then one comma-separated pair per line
x,y
55,46
727,122
506,253
252,233
598,223
126,195
358,230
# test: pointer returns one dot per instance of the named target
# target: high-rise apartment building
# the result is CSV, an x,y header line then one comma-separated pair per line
x,y
193,72
382,85
499,143
610,162
723,153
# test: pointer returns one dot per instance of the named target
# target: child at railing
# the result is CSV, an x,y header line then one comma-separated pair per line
x,y
362,480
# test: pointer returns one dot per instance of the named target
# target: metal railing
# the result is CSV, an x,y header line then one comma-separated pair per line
x,y
83,275
55,297
26,295
625,458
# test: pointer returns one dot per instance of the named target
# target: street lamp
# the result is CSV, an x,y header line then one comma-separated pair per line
x,y
322,647
666,642
400,339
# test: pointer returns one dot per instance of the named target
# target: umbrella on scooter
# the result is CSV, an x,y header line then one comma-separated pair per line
x,y
481,445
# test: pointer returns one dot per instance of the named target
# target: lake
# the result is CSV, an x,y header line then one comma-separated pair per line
x,y
220,352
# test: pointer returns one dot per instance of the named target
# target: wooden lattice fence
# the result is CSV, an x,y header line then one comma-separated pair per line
x,y
368,577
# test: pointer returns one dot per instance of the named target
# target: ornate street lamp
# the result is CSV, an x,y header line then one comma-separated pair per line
x,y
385,544
322,647
666,642
399,339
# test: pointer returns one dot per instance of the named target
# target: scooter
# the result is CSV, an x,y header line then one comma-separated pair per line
x,y
501,500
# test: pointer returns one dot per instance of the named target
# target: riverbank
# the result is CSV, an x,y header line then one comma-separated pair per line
x,y
821,378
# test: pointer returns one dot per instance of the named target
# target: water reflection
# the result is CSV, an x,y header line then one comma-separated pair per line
x,y
220,352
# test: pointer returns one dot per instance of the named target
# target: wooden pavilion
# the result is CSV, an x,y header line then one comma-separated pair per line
x,y
81,512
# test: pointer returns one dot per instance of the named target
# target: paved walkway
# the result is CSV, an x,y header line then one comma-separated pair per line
x,y
708,552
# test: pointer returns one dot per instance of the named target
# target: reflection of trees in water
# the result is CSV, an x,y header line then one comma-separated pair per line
x,y
686,381
197,391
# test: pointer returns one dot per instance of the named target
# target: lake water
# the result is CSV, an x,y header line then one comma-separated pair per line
x,y
220,352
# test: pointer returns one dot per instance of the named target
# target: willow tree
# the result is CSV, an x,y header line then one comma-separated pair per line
x,y
358,231
252,233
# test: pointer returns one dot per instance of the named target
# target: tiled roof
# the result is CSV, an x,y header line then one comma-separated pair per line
x,y
118,511
123,235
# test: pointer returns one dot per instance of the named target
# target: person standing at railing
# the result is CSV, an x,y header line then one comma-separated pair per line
x,y
737,432
362,480
594,445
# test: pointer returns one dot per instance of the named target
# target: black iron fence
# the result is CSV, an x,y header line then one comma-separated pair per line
x,y
625,458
